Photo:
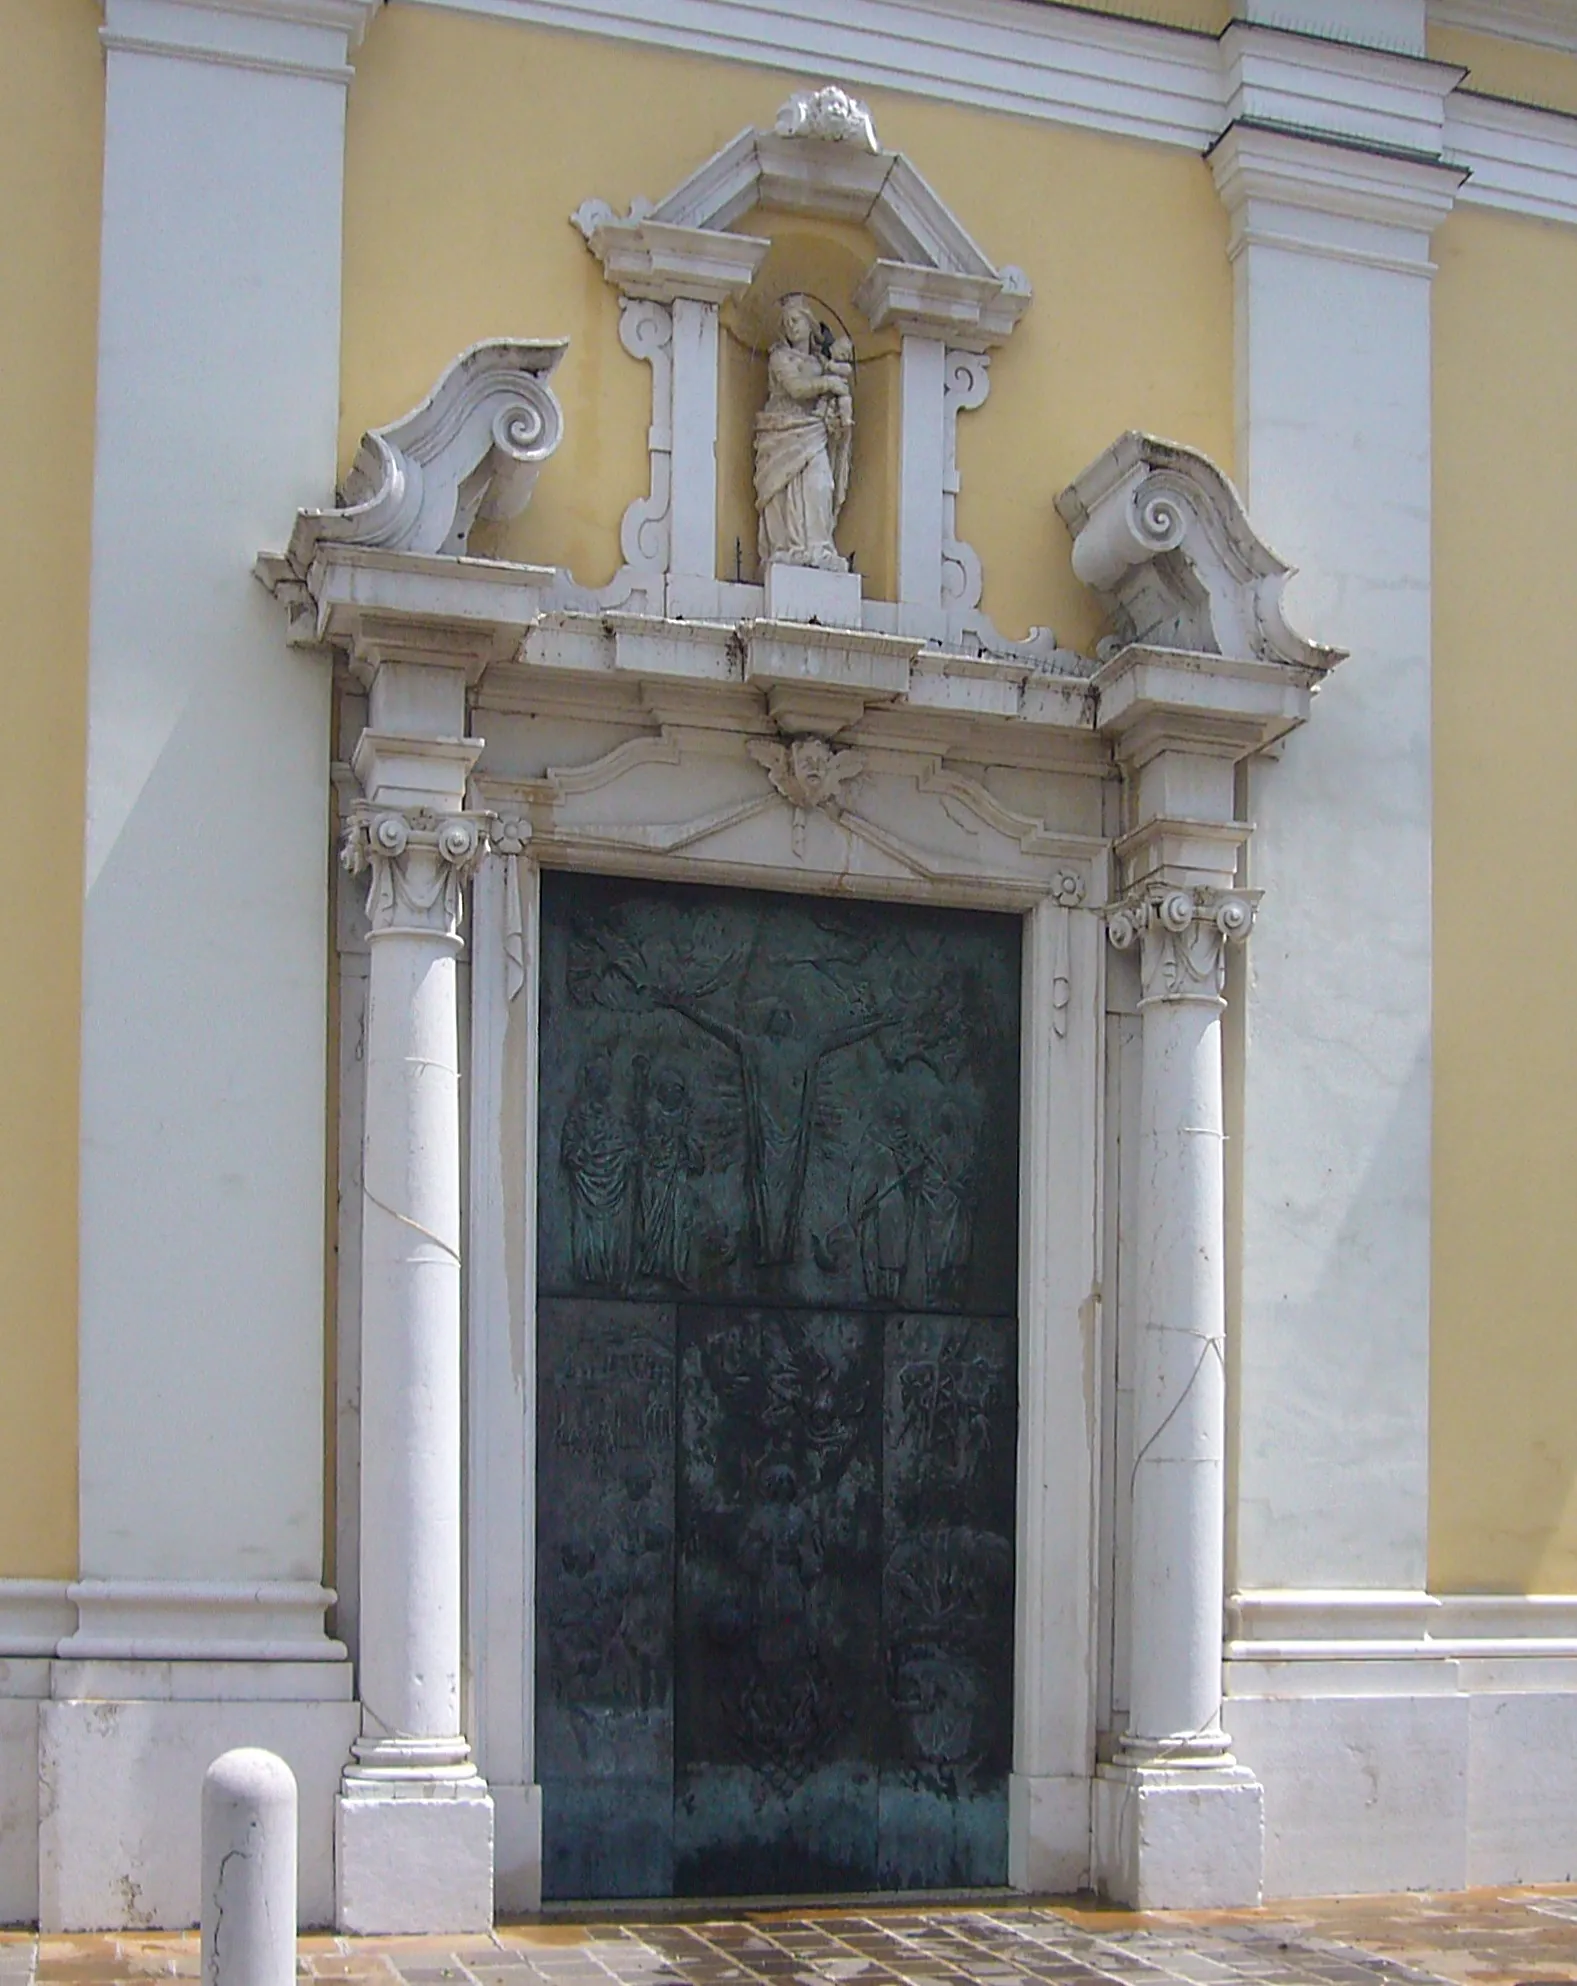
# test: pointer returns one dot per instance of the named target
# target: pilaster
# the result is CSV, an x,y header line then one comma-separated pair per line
x,y
203,1007
1330,241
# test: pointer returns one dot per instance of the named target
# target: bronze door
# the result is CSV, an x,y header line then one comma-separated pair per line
x,y
777,1413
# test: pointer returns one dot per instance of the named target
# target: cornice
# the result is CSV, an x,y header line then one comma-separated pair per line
x,y
1171,86
1544,23
306,38
1318,196
1520,160
1052,63
1363,96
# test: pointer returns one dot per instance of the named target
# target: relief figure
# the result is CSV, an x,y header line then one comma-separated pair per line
x,y
783,1552
881,1199
598,1157
668,1156
910,1204
804,440
779,1072
947,1203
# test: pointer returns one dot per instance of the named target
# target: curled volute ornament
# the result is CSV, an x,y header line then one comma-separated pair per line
x,y
1181,937
417,862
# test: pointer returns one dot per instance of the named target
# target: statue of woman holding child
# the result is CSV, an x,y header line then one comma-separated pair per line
x,y
804,436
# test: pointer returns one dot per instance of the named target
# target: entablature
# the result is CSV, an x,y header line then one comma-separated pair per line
x,y
798,692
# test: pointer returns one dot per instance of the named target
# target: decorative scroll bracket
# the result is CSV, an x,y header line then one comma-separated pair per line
x,y
472,450
1161,535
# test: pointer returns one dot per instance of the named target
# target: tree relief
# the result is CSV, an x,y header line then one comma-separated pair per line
x,y
759,1096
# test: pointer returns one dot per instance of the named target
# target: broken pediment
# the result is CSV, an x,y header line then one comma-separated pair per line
x,y
821,158
1161,536
471,451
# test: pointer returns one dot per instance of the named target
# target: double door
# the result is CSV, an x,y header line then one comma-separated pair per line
x,y
777,1417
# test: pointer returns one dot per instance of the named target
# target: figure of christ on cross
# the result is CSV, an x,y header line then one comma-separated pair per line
x,y
779,1076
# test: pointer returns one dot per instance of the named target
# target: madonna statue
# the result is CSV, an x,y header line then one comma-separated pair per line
x,y
804,435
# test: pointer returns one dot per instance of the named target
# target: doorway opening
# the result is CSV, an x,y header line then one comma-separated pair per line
x,y
777,1391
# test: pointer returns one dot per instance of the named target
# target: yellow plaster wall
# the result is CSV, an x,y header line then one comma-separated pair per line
x,y
457,205
1503,1488
51,147
1512,69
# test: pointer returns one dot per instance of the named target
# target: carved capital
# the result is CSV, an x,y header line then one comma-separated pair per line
x,y
417,863
1181,937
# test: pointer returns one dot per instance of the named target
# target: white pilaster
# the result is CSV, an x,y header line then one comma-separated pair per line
x,y
1053,1683
414,1828
1330,246
501,1355
693,541
204,988
921,462
202,1151
1396,24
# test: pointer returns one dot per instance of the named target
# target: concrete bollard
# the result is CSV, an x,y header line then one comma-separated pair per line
x,y
249,1871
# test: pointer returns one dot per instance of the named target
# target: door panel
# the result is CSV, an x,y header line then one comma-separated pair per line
x,y
777,1392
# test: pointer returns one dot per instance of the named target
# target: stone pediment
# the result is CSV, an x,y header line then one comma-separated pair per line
x,y
821,158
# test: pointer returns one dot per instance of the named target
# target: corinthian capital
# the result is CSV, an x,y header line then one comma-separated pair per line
x,y
1181,936
416,862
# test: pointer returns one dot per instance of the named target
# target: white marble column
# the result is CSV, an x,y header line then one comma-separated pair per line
x,y
1182,1823
1180,1387
414,1831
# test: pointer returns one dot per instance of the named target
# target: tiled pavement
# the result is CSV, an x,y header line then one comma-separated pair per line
x,y
1482,1938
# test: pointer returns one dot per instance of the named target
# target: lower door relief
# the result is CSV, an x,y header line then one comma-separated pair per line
x,y
605,1582
948,1493
779,1597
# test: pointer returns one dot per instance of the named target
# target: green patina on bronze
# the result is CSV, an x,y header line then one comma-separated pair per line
x,y
777,1391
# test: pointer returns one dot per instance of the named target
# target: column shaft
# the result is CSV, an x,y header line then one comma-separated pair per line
x,y
410,1398
1177,1822
414,1824
1178,1508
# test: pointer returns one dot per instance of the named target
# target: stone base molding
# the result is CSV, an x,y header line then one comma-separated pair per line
x,y
1045,1813
191,1620
406,1861
34,1615
119,1784
1174,1837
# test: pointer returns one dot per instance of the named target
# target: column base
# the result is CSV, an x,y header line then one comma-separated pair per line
x,y
1179,1837
413,1859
